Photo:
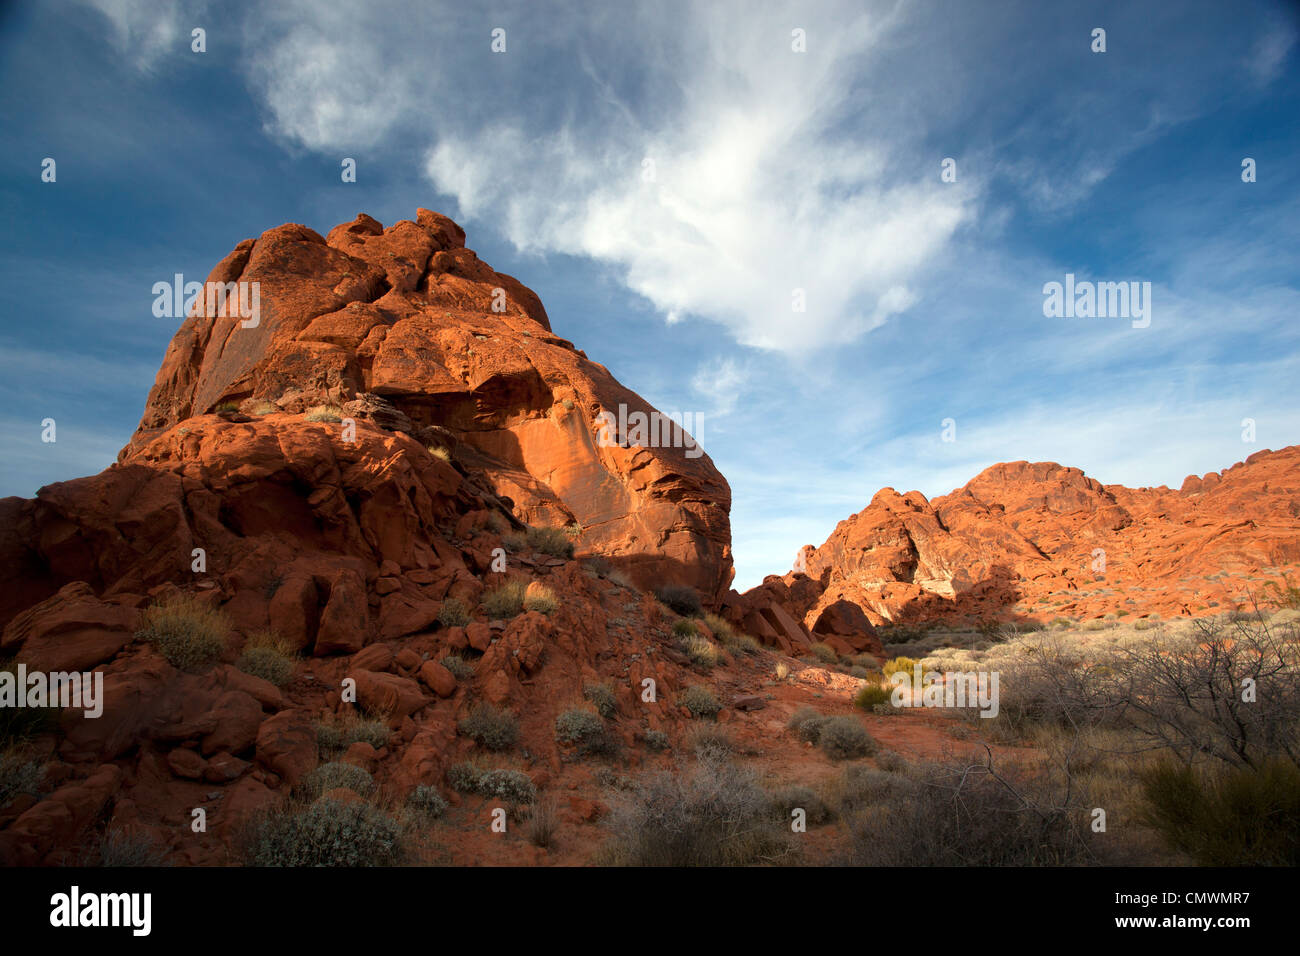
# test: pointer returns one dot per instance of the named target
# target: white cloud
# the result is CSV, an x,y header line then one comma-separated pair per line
x,y
146,31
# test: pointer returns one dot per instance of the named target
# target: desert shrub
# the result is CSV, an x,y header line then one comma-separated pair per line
x,y
453,613
1187,693
268,656
785,800
117,848
656,740
711,742
460,668
427,801
324,413
861,786
440,452
891,761
721,628
782,670
514,540
681,599
961,815
325,833
512,786
336,774
843,738
538,597
542,822
505,600
700,701
225,408
490,728
18,774
871,696
807,724
602,698
20,724
584,730
1234,816
186,631
333,736
712,814
685,628
702,652
553,541
824,653
904,664
263,407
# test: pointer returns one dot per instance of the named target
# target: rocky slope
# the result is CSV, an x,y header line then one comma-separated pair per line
x,y
338,475
1033,541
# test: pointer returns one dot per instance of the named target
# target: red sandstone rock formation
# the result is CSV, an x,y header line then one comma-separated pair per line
x,y
406,327
1026,541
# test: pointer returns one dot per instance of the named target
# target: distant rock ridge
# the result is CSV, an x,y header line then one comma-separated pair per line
x,y
1031,541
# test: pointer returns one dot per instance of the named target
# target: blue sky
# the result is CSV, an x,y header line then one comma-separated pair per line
x,y
773,170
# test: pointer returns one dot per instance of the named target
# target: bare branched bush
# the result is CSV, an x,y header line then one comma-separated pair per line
x,y
1230,691
968,814
710,814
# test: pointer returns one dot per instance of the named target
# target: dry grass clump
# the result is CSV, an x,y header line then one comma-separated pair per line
x,y
269,656
188,632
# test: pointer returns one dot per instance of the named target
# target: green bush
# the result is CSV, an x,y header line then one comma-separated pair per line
x,y
512,786
602,698
684,600
870,696
904,664
335,735
656,740
490,728
700,701
553,541
325,833
825,653
453,613
336,774
1242,816
505,601
807,724
427,801
460,668
843,738
186,631
685,628
584,730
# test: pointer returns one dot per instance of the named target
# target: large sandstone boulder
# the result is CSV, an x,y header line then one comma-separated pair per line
x,y
408,320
